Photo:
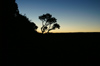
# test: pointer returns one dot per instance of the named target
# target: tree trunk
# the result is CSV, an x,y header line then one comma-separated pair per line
x,y
49,28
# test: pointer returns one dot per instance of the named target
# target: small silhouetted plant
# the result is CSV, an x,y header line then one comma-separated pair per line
x,y
48,23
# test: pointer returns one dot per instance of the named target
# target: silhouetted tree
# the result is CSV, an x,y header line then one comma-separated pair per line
x,y
49,21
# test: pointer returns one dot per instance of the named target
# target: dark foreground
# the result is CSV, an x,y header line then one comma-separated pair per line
x,y
62,49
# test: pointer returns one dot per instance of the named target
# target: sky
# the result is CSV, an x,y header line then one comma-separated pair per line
x,y
72,15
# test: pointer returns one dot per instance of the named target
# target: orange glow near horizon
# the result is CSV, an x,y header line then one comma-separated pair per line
x,y
70,31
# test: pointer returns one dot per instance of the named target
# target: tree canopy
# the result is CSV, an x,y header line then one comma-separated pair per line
x,y
47,21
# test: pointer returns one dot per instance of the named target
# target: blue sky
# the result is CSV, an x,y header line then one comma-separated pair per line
x,y
72,15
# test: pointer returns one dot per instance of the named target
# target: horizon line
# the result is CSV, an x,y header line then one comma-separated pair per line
x,y
72,32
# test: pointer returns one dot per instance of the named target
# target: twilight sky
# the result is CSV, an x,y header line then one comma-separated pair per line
x,y
72,15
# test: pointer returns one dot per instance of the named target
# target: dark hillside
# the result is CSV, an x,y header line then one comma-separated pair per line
x,y
72,38
73,48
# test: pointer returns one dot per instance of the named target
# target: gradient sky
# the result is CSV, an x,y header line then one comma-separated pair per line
x,y
72,15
